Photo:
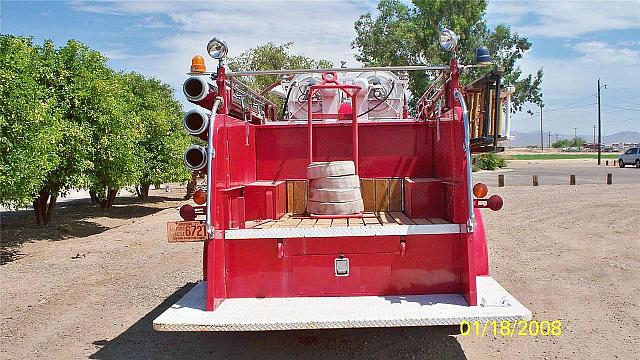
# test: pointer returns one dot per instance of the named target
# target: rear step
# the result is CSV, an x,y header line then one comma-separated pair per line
x,y
251,314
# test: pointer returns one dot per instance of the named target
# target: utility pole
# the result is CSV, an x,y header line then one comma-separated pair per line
x,y
594,134
575,129
556,137
549,139
541,132
599,125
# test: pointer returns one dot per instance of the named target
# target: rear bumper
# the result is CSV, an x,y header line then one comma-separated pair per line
x,y
251,314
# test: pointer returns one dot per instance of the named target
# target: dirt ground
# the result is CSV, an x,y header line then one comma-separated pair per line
x,y
92,285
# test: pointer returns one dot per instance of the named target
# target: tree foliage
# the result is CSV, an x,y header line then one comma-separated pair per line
x,y
563,143
30,123
68,121
404,34
159,146
271,56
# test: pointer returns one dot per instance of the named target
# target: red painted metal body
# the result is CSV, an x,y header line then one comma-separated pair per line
x,y
435,186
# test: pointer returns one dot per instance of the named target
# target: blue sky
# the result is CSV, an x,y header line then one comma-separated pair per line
x,y
575,42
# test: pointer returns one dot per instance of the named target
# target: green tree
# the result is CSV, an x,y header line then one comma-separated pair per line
x,y
68,121
67,72
116,129
30,123
404,34
577,142
271,56
162,141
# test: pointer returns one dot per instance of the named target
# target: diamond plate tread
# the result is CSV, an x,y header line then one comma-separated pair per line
x,y
250,314
334,231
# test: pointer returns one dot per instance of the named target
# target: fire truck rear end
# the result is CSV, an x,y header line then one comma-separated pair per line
x,y
346,212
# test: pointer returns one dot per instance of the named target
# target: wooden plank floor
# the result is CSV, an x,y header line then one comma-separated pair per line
x,y
393,218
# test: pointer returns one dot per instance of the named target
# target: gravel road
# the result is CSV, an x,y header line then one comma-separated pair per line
x,y
91,285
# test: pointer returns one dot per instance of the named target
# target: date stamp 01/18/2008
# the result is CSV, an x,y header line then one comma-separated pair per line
x,y
511,328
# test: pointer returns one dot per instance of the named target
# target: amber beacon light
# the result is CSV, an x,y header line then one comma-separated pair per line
x,y
197,64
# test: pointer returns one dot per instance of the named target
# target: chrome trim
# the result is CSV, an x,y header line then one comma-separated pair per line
x,y
211,153
467,149
359,69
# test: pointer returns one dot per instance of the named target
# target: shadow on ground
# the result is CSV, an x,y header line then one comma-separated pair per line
x,y
141,341
73,219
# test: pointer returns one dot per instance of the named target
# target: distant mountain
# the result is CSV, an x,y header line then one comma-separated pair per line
x,y
521,139
623,136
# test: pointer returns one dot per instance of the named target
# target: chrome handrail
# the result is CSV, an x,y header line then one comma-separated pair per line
x,y
354,69
211,154
467,149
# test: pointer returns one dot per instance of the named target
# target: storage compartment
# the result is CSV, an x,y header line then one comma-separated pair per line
x,y
265,200
424,198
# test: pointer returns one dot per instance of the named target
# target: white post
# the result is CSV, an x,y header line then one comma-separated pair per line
x,y
507,129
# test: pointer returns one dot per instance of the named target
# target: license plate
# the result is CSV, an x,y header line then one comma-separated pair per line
x,y
186,231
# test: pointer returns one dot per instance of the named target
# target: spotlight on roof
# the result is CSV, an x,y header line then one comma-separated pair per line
x,y
448,39
217,48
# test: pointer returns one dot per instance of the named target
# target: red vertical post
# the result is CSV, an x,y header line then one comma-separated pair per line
x,y
221,79
354,125
310,120
204,261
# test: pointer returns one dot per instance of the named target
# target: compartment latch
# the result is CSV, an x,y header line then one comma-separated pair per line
x,y
342,266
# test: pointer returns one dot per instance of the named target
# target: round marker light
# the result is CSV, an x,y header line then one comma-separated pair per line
x,y
200,197
480,190
187,212
494,202
217,48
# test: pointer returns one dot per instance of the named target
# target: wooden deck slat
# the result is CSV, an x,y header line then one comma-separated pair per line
x,y
402,218
386,219
382,194
368,219
367,188
307,223
291,222
339,223
290,192
371,221
438,221
422,222
250,224
395,194
323,223
268,224
299,197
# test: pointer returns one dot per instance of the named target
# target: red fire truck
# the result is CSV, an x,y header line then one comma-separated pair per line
x,y
346,211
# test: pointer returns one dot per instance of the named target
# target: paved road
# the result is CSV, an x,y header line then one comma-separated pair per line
x,y
552,172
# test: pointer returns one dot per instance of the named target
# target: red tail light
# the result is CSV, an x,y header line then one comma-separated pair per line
x,y
187,212
494,202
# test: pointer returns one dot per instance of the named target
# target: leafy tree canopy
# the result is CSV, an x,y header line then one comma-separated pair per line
x,y
404,34
30,122
68,121
577,142
271,56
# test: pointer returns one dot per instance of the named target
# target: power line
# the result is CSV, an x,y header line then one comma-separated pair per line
x,y
553,110
579,100
621,108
